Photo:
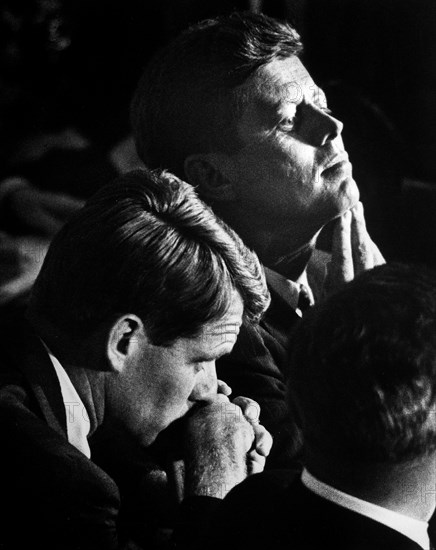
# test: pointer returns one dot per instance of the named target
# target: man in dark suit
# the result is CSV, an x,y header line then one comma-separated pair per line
x,y
229,107
138,296
363,377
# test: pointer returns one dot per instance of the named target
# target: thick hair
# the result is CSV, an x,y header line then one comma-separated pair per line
x,y
364,369
189,98
146,244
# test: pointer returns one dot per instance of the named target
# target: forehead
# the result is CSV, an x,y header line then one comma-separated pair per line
x,y
219,336
283,80
274,86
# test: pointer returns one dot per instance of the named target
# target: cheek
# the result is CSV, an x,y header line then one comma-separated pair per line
x,y
294,161
260,171
277,170
177,391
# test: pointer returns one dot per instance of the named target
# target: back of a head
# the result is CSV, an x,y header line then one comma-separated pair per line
x,y
364,370
188,101
146,244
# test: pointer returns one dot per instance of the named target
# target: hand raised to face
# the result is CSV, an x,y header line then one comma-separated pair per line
x,y
224,443
353,250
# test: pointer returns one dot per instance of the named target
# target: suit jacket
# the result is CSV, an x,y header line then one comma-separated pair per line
x,y
52,495
275,510
258,367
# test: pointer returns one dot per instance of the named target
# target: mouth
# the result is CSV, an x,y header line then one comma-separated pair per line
x,y
337,161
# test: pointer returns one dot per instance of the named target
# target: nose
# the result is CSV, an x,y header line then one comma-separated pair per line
x,y
206,385
321,127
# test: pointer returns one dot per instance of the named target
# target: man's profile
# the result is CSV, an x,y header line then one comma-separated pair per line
x,y
140,293
229,106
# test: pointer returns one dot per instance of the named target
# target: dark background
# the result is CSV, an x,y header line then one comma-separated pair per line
x,y
75,64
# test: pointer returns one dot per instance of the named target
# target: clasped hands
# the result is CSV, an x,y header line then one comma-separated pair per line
x,y
224,442
353,250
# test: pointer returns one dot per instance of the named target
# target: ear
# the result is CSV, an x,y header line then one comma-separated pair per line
x,y
214,174
124,340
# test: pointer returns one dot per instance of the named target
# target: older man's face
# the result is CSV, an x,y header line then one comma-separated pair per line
x,y
292,165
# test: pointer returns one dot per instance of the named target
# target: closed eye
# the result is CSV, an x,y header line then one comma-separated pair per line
x,y
287,124
289,117
199,361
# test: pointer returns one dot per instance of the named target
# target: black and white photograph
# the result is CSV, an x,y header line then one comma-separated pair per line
x,y
218,274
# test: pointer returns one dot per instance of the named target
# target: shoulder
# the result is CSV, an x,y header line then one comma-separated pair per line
x,y
263,496
265,485
50,487
47,485
255,513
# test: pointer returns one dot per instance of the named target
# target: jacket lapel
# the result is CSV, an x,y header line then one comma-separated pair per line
x,y
279,318
29,356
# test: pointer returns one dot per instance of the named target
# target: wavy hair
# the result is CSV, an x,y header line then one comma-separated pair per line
x,y
189,98
146,244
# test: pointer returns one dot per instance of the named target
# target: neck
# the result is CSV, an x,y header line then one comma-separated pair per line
x,y
400,487
285,251
81,366
293,265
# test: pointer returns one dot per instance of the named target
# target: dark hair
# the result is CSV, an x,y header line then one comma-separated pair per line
x,y
146,244
188,100
364,368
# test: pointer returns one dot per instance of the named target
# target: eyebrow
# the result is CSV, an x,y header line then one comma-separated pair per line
x,y
206,357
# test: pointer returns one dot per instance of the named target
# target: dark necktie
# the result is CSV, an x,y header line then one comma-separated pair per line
x,y
303,299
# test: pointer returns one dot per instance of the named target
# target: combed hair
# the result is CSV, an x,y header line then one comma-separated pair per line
x,y
364,368
146,244
189,98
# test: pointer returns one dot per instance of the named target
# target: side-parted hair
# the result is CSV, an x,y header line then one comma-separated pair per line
x,y
189,98
364,369
146,244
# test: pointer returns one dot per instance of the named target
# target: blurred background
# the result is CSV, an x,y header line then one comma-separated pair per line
x,y
68,69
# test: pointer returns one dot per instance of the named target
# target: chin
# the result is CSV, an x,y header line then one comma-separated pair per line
x,y
147,440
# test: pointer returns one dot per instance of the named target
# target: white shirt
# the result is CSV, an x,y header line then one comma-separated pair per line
x,y
78,424
412,528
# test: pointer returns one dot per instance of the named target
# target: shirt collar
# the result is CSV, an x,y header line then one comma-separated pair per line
x,y
78,424
287,289
412,528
